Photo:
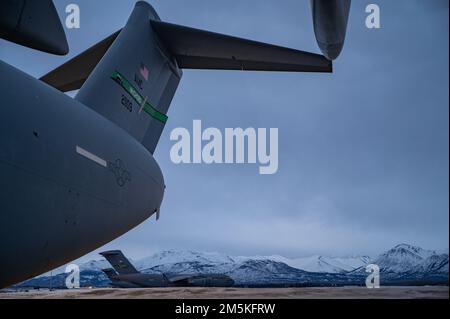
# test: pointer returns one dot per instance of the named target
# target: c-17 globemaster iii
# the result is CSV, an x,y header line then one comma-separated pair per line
x,y
124,275
76,173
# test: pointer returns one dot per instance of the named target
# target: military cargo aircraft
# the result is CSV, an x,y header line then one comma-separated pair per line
x,y
124,275
76,173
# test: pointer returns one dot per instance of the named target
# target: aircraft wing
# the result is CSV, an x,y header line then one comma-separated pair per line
x,y
196,49
71,75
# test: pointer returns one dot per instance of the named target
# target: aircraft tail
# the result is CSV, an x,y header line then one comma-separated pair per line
x,y
131,76
119,262
135,81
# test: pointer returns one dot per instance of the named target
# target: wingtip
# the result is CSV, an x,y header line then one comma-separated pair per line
x,y
60,47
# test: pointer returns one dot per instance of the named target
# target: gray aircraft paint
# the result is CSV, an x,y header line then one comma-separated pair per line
x,y
330,18
78,173
127,56
34,24
119,262
58,205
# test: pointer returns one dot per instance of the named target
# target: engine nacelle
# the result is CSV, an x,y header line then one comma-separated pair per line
x,y
330,19
34,24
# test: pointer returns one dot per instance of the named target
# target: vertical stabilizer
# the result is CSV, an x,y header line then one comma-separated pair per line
x,y
119,262
135,80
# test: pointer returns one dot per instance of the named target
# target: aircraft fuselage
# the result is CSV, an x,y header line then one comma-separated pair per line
x,y
86,181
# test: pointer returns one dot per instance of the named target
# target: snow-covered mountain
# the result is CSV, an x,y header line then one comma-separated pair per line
x,y
249,270
437,264
267,272
170,257
92,265
401,264
320,264
405,258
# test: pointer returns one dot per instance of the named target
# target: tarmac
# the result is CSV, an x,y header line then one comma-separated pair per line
x,y
425,292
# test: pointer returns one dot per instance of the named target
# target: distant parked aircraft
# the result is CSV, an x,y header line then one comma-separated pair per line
x,y
124,275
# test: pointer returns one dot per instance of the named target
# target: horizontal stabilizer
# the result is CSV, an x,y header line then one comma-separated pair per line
x,y
196,49
199,49
110,273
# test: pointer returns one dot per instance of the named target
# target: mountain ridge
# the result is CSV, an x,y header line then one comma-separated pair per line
x,y
399,265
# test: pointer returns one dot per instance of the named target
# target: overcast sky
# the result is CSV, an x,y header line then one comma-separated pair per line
x,y
363,153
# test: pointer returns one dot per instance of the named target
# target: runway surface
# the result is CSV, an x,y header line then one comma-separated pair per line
x,y
237,293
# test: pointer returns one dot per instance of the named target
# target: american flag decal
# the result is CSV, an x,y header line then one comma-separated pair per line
x,y
144,71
